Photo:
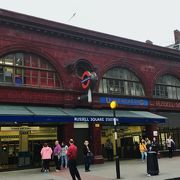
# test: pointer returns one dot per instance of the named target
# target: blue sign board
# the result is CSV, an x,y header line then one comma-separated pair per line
x,y
125,101
57,119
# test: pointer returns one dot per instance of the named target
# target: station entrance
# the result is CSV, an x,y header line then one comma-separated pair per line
x,y
128,140
20,145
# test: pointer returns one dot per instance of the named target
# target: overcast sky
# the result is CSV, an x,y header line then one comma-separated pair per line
x,y
140,20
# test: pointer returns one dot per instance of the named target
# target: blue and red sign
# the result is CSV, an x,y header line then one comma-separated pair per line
x,y
85,79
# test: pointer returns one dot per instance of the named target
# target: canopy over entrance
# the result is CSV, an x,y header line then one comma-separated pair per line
x,y
33,114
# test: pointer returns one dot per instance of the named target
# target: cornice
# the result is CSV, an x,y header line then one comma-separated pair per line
x,y
59,30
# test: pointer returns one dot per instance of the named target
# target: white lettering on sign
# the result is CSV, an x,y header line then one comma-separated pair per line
x,y
94,119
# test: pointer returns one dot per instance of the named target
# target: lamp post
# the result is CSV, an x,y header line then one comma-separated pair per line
x,y
113,106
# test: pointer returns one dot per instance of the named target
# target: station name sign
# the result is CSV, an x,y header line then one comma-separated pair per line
x,y
118,119
94,119
125,101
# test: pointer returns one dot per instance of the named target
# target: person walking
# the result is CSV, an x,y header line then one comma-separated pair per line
x,y
170,145
46,153
143,150
56,155
64,149
87,156
72,155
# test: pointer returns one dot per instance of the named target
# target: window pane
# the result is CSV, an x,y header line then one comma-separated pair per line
x,y
19,60
9,60
34,61
43,82
8,74
50,74
167,86
27,60
1,74
104,86
24,69
178,93
34,73
43,74
35,81
43,64
121,81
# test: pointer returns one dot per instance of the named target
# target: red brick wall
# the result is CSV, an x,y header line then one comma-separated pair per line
x,y
61,52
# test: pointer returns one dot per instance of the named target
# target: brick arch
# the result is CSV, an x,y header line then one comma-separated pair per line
x,y
165,72
30,49
162,73
128,66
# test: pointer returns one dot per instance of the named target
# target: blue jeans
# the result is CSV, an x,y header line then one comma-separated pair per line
x,y
64,161
143,155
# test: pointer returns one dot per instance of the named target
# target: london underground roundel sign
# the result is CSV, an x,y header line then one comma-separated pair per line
x,y
85,79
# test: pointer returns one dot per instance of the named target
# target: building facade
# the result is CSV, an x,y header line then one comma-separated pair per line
x,y
41,68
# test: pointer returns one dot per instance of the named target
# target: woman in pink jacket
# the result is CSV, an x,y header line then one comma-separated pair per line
x,y
46,153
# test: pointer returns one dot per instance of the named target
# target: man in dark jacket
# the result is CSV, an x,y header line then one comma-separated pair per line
x,y
72,155
87,156
154,145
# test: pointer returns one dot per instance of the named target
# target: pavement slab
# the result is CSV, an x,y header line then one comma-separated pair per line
x,y
129,169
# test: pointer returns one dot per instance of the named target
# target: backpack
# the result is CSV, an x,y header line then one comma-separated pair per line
x,y
173,146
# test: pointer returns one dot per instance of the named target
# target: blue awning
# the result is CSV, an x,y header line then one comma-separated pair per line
x,y
36,114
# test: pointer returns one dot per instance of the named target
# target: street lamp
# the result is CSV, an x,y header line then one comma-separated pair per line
x,y
113,106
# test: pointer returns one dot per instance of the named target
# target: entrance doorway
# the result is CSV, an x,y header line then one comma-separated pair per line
x,y
128,140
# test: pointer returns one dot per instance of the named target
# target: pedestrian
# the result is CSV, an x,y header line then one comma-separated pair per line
x,y
109,150
143,150
87,156
56,155
72,155
171,146
154,145
46,153
64,149
148,143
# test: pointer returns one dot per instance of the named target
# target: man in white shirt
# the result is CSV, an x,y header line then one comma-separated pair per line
x,y
170,145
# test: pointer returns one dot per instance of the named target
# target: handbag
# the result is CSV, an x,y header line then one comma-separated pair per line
x,y
90,154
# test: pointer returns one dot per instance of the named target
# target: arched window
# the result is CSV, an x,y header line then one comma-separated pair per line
x,y
27,69
121,81
167,87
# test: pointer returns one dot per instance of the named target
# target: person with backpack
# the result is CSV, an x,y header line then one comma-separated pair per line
x,y
170,145
143,150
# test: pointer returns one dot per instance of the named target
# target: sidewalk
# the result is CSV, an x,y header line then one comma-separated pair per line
x,y
130,170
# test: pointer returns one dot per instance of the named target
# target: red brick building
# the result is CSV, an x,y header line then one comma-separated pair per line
x,y
41,65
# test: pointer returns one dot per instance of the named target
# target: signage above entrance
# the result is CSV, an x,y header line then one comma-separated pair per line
x,y
125,101
175,105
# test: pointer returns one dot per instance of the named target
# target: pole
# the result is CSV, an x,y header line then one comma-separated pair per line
x,y
116,144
